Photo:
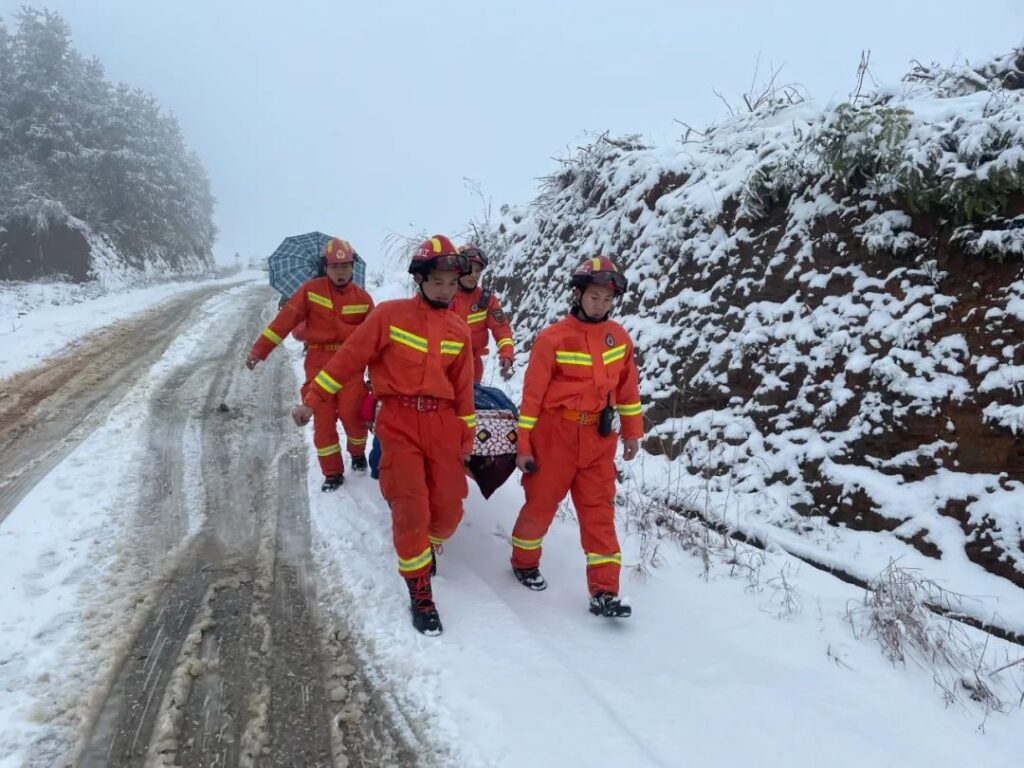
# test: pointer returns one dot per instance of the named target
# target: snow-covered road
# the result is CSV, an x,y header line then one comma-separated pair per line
x,y
159,609
175,590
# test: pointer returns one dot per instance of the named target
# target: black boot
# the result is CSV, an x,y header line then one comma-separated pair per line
x,y
531,578
608,604
425,617
359,463
332,482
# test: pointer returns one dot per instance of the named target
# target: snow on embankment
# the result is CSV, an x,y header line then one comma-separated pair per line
x,y
828,303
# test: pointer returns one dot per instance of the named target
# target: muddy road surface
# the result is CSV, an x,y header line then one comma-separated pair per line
x,y
233,664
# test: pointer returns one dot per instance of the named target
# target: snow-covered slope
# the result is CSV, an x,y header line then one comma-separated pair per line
x,y
828,303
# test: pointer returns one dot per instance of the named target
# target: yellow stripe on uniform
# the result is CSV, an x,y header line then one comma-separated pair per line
x,y
323,301
415,563
328,450
502,343
327,383
565,357
355,309
272,336
436,541
530,544
477,317
451,347
595,559
470,420
613,354
356,440
408,339
527,422
629,409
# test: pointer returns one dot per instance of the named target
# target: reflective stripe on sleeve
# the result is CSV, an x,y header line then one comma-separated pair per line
x,y
327,383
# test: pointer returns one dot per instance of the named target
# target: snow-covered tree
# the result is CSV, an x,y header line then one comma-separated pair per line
x,y
75,146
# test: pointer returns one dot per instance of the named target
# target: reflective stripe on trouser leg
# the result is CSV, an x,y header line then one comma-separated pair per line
x,y
409,481
325,437
350,400
446,475
593,496
555,449
325,416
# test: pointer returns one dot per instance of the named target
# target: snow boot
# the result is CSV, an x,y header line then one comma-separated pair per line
x,y
425,617
531,578
332,482
359,463
608,604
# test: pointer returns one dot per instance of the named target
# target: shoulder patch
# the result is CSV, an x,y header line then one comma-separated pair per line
x,y
498,315
609,340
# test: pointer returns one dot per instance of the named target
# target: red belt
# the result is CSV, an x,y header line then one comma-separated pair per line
x,y
324,346
422,402
586,418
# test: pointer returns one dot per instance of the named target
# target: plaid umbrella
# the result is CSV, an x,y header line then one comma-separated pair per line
x,y
297,259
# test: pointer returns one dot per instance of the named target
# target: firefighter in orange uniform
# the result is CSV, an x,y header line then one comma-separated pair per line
x,y
332,307
581,370
420,360
482,312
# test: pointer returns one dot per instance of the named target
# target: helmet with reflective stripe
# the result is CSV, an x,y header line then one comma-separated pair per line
x,y
599,270
437,253
338,251
473,253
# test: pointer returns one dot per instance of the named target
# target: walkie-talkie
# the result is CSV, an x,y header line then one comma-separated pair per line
x,y
604,424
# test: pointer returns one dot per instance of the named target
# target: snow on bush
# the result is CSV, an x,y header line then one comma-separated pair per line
x,y
814,341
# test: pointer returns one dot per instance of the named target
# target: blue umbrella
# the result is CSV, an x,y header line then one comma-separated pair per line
x,y
297,259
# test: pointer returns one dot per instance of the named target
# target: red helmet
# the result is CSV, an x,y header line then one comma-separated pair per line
x,y
437,253
599,271
338,251
474,254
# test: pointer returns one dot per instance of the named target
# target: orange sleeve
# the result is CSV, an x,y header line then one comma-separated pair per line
x,y
291,314
362,346
535,386
500,329
460,372
627,399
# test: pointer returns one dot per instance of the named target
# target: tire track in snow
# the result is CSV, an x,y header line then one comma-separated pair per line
x,y
48,410
230,669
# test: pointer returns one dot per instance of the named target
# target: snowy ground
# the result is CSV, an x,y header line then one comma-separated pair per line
x,y
75,576
729,670
40,319
719,668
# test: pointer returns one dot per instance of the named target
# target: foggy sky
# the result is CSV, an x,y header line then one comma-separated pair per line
x,y
359,119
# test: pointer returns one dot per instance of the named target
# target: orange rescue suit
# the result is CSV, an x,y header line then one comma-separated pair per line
x,y
575,370
421,367
480,320
330,315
